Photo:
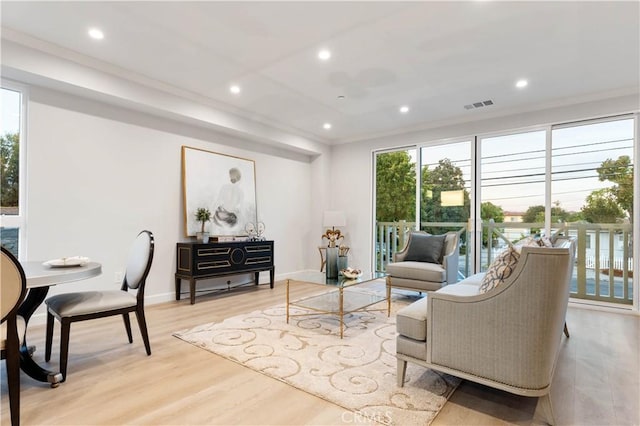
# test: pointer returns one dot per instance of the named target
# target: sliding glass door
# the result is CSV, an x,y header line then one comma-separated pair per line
x,y
592,173
445,193
395,202
574,179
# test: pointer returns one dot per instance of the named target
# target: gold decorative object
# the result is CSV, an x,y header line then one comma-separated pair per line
x,y
333,218
333,235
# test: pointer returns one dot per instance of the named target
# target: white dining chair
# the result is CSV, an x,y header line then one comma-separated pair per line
x,y
81,306
14,288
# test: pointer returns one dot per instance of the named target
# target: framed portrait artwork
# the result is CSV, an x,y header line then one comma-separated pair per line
x,y
224,184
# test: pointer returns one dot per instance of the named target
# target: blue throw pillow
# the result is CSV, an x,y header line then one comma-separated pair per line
x,y
425,248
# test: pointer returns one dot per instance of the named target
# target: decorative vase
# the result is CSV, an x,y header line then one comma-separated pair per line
x,y
202,237
342,263
332,263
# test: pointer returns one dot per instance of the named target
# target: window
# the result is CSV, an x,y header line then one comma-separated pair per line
x,y
592,173
574,179
445,193
12,168
395,203
512,179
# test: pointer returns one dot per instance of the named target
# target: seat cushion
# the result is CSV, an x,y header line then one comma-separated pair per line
x,y
411,321
89,302
422,271
413,348
475,279
460,289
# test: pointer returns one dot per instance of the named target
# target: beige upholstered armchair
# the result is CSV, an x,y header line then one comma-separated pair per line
x,y
426,263
507,338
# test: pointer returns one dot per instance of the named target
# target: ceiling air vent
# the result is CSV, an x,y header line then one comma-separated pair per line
x,y
479,104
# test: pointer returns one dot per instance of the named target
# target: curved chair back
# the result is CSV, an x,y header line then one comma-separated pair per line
x,y
139,261
13,289
14,284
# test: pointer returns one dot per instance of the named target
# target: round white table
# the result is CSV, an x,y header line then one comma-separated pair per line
x,y
39,279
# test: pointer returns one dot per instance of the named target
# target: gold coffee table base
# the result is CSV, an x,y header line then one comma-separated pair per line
x,y
340,299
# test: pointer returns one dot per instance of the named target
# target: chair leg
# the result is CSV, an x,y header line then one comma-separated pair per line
x,y
64,346
143,329
49,338
566,329
13,374
545,409
127,326
402,372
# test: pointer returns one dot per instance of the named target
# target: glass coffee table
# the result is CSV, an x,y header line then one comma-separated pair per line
x,y
341,297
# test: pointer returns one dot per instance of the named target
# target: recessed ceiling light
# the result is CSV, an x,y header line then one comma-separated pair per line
x,y
326,126
404,109
96,34
521,83
324,54
235,89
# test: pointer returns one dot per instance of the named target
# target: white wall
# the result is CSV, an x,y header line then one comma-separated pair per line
x,y
97,175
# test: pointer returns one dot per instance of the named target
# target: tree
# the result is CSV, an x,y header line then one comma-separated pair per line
x,y
602,207
444,177
489,211
395,187
620,172
533,214
575,217
9,169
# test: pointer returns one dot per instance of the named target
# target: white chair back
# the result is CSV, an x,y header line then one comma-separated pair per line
x,y
13,283
139,259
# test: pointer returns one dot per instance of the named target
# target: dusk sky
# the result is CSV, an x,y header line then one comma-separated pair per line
x,y
513,166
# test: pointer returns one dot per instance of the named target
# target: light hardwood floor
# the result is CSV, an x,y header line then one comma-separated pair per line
x,y
111,382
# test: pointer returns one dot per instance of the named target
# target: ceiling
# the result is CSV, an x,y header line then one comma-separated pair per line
x,y
435,57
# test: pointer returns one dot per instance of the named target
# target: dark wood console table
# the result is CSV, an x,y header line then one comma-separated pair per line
x,y
198,261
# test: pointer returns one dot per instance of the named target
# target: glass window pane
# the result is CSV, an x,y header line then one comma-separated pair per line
x,y
445,191
592,172
395,202
512,174
9,239
10,152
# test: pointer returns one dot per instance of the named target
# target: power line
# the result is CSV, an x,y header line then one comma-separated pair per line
x,y
593,143
538,195
581,146
540,174
537,181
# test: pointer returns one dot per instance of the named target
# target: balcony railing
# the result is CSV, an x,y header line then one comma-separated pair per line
x,y
604,257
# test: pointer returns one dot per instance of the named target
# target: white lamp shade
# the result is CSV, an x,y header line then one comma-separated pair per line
x,y
334,218
452,198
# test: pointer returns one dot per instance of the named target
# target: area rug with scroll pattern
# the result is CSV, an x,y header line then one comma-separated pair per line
x,y
357,372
